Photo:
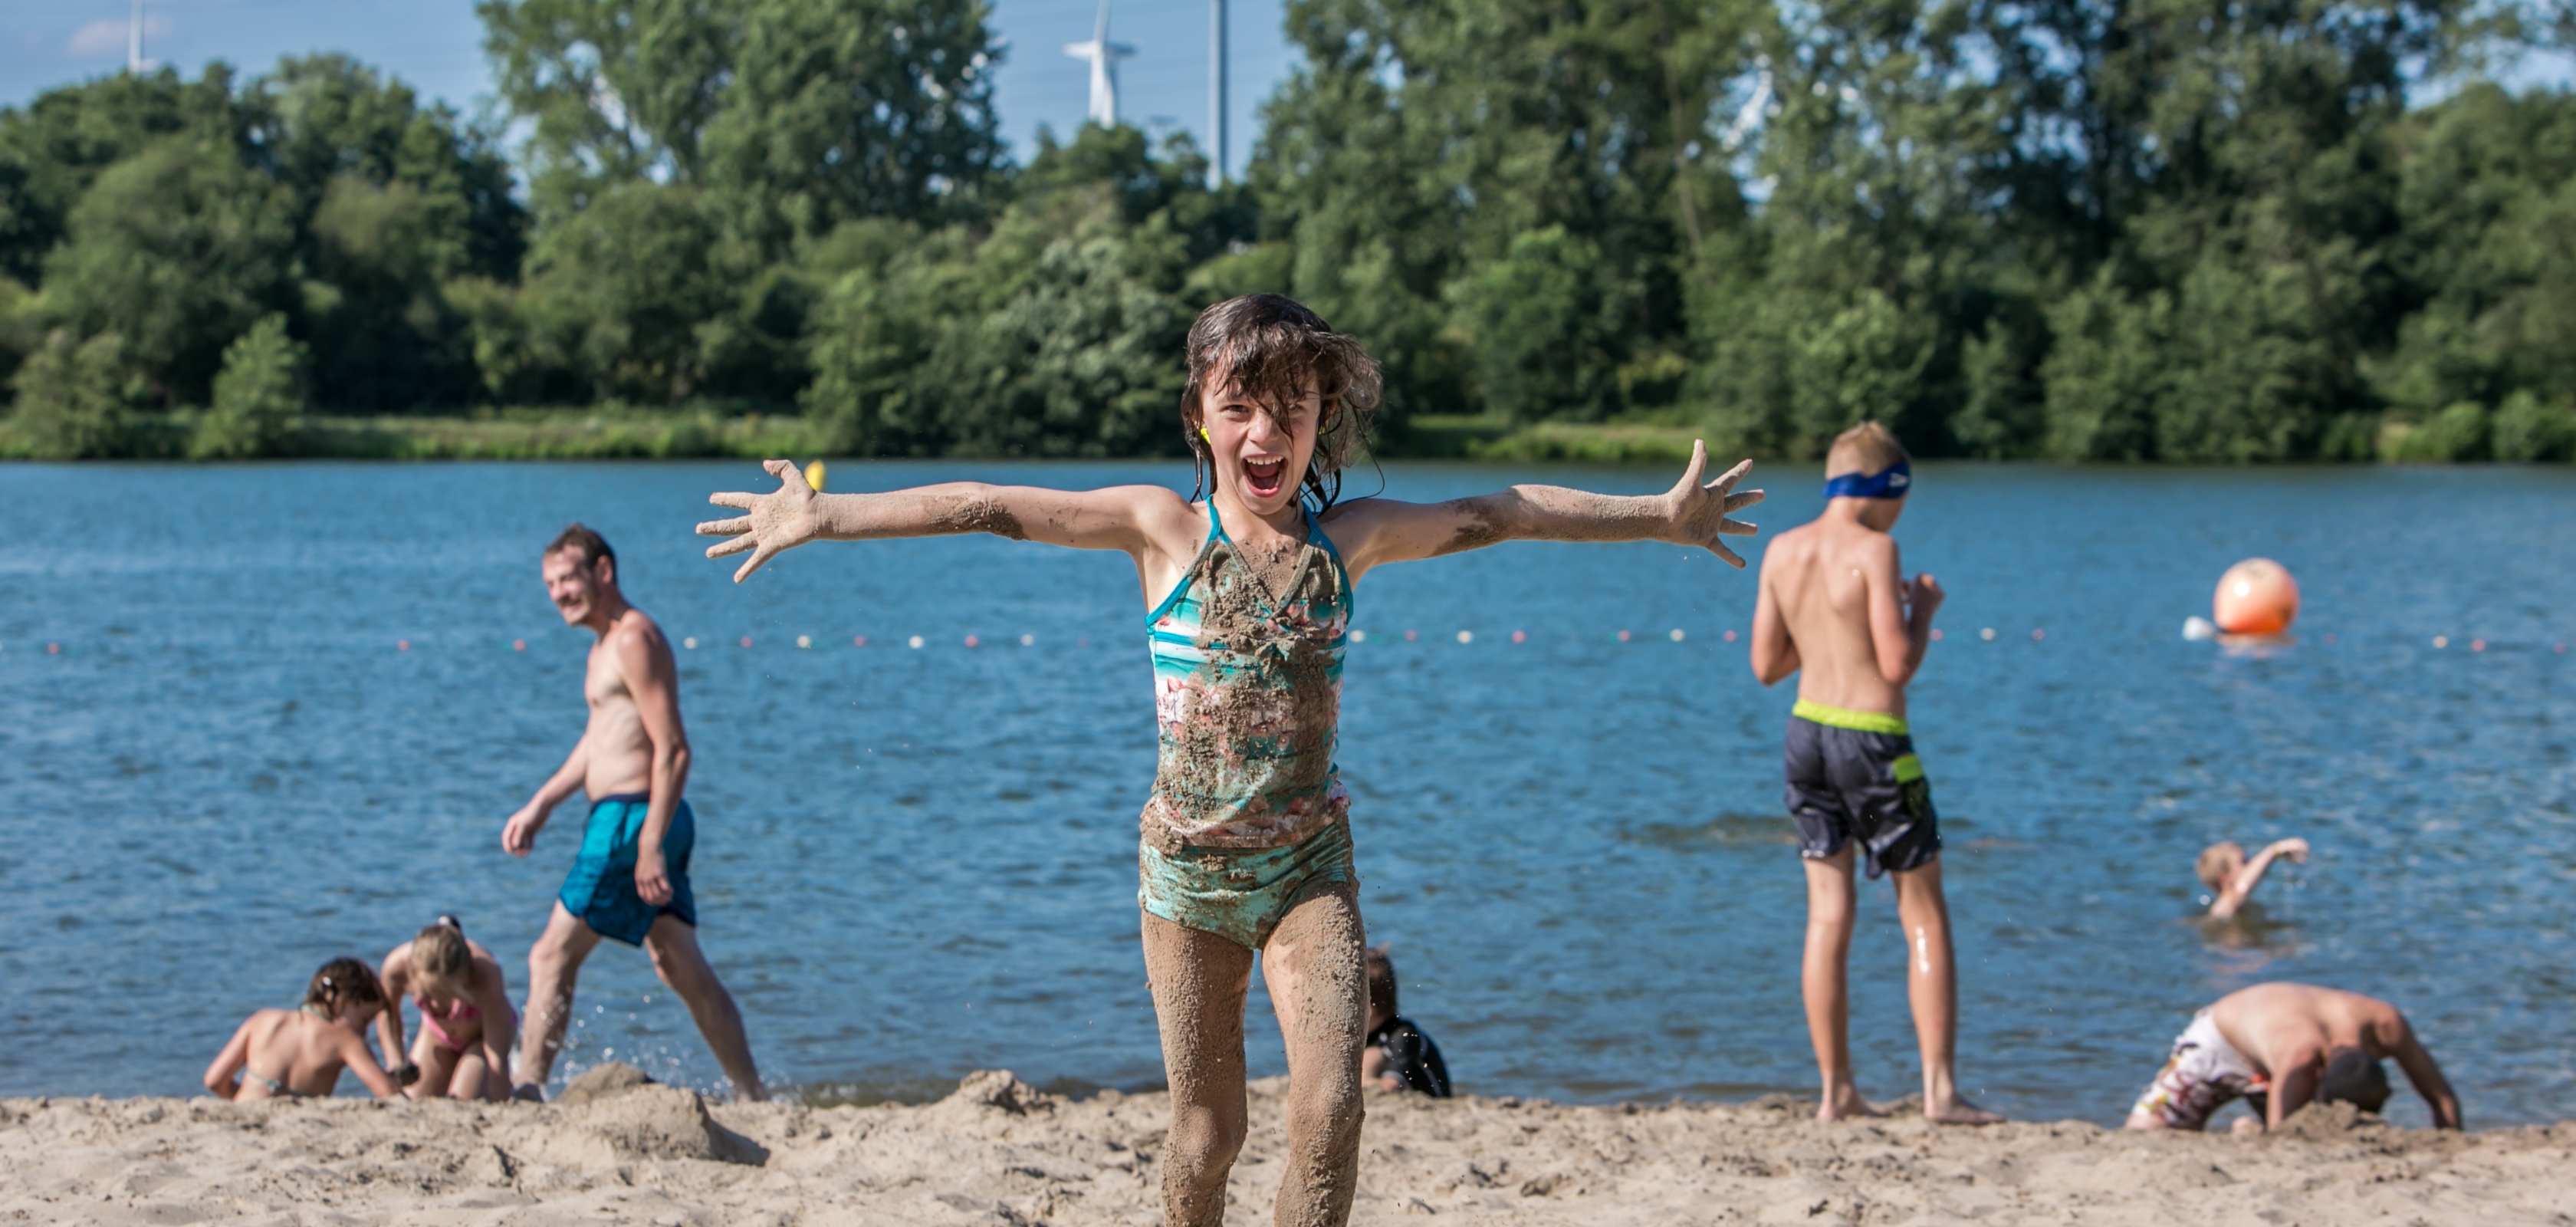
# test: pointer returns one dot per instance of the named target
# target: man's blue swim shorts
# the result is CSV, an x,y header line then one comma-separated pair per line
x,y
601,887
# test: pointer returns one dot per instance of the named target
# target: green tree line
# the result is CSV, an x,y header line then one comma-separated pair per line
x,y
2125,230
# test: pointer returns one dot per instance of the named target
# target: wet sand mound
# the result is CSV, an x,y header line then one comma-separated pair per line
x,y
999,1152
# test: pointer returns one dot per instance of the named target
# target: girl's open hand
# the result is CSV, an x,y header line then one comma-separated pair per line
x,y
1700,511
780,520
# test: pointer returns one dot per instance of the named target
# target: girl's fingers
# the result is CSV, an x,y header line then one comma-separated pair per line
x,y
733,498
1726,481
735,546
1698,464
1738,528
758,557
1732,558
1738,502
727,528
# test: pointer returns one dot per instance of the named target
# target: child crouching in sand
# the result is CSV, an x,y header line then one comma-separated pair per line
x,y
1246,843
467,1028
297,1054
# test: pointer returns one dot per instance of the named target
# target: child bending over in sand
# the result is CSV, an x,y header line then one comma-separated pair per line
x,y
2283,1045
298,1054
1399,1056
2232,878
1836,609
467,1027
1246,842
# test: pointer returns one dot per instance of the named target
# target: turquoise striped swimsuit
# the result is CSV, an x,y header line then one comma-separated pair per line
x,y
1248,811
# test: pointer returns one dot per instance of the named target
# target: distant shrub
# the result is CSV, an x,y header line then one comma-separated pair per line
x,y
258,394
72,396
2527,429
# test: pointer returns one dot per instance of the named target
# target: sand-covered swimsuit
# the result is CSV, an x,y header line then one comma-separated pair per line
x,y
1248,815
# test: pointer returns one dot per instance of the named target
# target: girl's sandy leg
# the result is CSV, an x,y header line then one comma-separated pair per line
x,y
1826,982
1319,986
1199,981
1932,986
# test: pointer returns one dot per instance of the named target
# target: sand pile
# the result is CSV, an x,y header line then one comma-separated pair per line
x,y
617,1148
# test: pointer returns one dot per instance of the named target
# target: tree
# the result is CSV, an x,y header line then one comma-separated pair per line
x,y
178,249
257,396
73,394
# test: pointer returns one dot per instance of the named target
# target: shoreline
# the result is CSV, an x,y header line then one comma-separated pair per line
x,y
999,1151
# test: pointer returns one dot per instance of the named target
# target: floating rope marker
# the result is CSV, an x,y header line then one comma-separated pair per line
x,y
1359,636
1936,635
53,649
2477,645
1623,636
806,641
402,645
2329,636
746,641
1986,634
690,643
1730,636
1028,641
971,641
2441,641
2037,635
1520,636
1409,636
518,645
2199,629
1466,636
915,641
1677,634
858,641
2561,649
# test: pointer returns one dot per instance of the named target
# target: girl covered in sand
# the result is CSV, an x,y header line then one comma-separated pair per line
x,y
1246,837
467,1028
299,1053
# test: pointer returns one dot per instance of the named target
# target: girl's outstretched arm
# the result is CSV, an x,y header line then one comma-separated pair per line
x,y
1130,518
1376,531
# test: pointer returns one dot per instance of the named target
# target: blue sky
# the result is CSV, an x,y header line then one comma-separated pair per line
x,y
437,46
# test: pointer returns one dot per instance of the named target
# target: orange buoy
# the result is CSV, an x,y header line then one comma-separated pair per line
x,y
2256,597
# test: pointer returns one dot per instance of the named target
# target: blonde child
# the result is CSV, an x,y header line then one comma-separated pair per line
x,y
299,1053
467,1028
2232,877
1246,846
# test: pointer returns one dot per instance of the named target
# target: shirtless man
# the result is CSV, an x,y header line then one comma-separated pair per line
x,y
631,879
1836,609
2283,1045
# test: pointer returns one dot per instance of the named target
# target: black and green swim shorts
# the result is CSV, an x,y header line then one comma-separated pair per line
x,y
1852,775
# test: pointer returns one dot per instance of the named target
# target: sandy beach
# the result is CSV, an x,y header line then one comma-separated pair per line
x,y
999,1152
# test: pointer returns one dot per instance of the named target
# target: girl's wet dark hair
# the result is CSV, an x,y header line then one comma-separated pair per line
x,y
1271,350
344,981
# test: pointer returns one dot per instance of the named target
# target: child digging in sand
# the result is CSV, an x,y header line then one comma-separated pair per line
x,y
467,1027
1399,1056
1246,843
2231,877
2282,1046
298,1054
1835,608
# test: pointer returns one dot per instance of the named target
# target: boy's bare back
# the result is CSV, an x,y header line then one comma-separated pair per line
x,y
1832,610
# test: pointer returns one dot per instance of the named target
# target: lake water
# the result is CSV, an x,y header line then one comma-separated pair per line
x,y
913,863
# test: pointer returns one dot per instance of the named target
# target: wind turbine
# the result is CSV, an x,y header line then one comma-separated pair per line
x,y
134,61
1104,56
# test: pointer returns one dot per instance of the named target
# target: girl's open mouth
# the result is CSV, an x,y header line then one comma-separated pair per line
x,y
1264,476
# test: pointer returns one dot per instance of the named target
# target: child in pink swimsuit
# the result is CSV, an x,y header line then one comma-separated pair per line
x,y
467,1028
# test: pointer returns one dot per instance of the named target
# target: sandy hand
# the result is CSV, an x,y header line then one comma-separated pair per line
x,y
1700,511
780,520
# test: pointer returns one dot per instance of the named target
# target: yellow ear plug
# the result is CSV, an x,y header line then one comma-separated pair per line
x,y
1203,437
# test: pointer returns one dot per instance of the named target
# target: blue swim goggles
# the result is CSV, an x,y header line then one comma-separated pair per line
x,y
1891,484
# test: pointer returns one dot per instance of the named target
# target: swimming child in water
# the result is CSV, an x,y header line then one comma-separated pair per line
x,y
298,1053
1246,842
1836,609
467,1028
2231,878
1399,1056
